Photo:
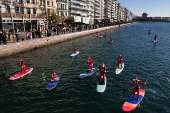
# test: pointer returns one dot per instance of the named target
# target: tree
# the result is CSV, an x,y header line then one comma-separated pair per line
x,y
53,18
69,20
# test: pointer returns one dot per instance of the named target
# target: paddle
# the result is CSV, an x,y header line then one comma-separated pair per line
x,y
125,90
114,65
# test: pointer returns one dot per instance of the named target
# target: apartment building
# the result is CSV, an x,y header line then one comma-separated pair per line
x,y
116,11
78,9
122,13
62,9
91,11
22,15
50,6
129,16
109,10
97,10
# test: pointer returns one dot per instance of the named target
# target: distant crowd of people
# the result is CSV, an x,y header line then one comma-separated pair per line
x,y
15,35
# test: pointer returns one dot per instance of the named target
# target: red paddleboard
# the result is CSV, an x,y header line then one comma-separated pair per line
x,y
19,75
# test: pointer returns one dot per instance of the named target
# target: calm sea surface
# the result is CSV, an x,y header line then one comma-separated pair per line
x,y
147,60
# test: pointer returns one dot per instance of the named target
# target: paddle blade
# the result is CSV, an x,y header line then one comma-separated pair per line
x,y
123,91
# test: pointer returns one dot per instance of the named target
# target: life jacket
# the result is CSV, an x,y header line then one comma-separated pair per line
x,y
102,68
75,50
136,84
110,40
89,61
22,64
119,58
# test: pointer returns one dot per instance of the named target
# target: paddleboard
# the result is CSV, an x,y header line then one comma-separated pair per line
x,y
132,103
154,41
100,36
52,85
19,75
74,54
119,69
110,42
101,86
87,73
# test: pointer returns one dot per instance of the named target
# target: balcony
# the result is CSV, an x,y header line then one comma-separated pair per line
x,y
33,16
50,7
26,16
97,4
40,16
78,7
6,15
17,16
79,12
6,2
61,9
78,2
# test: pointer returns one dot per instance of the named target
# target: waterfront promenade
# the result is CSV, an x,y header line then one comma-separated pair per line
x,y
21,46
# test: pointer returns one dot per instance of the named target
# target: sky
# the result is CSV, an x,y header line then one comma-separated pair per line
x,y
154,8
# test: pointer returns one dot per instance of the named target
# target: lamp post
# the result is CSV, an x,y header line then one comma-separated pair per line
x,y
1,19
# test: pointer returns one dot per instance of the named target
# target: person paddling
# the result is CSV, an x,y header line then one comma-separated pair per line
x,y
75,51
120,58
102,69
90,64
100,35
22,65
149,31
97,33
111,40
54,77
136,86
155,37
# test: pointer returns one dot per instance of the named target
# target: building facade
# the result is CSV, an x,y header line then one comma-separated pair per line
x,y
62,9
33,14
22,15
109,10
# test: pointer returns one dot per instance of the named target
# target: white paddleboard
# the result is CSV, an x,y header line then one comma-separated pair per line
x,y
154,41
119,69
74,54
101,86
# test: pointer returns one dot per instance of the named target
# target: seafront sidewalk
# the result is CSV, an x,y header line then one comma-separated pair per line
x,y
21,46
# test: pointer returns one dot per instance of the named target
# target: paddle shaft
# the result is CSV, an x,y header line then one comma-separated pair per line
x,y
128,89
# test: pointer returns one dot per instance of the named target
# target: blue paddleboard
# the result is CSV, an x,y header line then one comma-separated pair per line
x,y
52,85
87,73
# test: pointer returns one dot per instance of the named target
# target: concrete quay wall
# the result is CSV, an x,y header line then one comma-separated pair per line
x,y
21,46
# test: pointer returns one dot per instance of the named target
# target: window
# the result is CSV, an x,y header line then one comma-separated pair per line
x,y
16,9
22,10
33,1
34,11
27,1
48,3
8,9
28,10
